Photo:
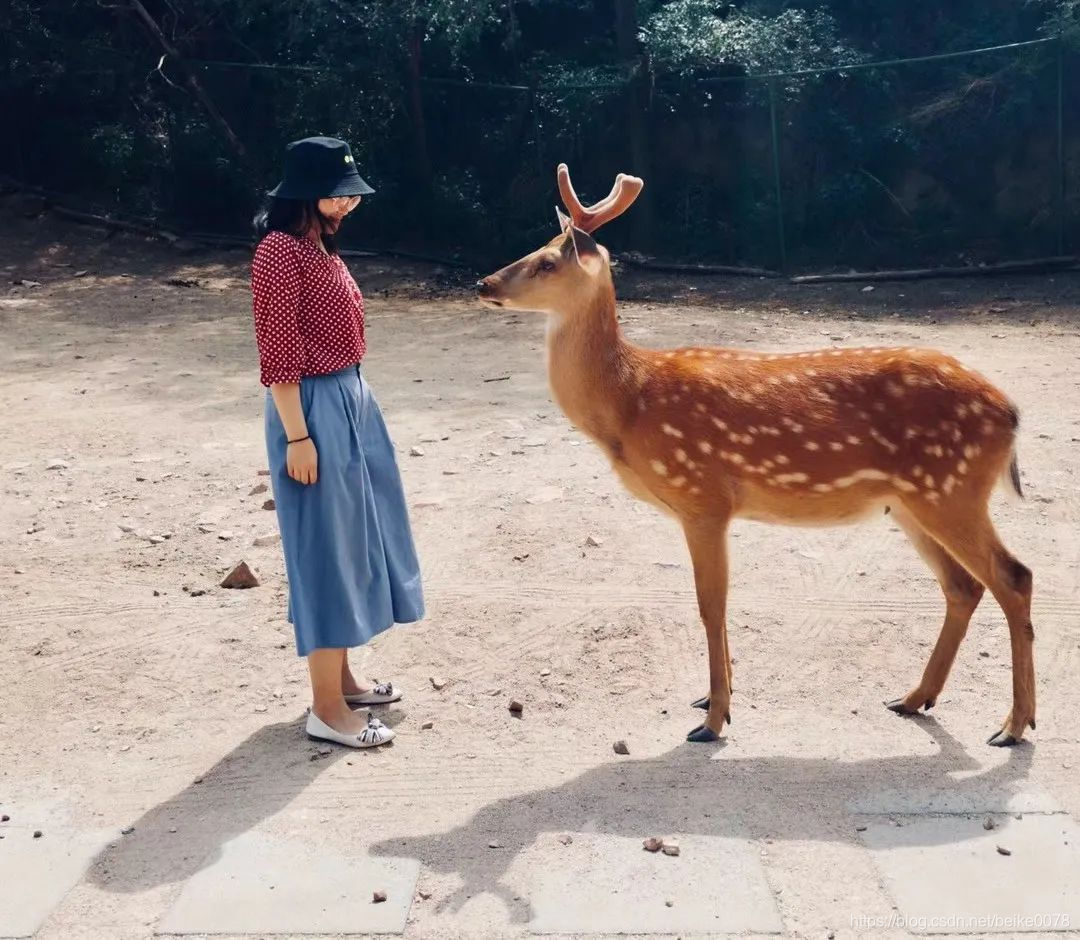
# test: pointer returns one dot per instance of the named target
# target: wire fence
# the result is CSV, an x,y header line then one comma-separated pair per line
x,y
960,158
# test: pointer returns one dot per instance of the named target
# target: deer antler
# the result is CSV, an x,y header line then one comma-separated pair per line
x,y
590,218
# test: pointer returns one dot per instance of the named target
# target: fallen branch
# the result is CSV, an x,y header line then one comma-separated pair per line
x,y
635,260
108,222
919,274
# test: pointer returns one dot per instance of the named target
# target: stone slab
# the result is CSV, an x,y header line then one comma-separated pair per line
x,y
946,875
36,874
607,884
265,885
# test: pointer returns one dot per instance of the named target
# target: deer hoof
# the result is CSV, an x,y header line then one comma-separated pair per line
x,y
1002,739
702,735
897,705
928,705
702,703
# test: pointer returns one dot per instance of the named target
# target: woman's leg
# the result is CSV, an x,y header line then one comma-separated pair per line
x,y
327,669
350,684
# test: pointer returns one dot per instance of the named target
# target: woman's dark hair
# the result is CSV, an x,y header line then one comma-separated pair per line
x,y
294,217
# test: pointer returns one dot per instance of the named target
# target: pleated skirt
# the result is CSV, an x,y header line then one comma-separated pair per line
x,y
349,553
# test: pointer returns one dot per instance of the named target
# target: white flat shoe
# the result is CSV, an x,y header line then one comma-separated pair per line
x,y
373,735
383,694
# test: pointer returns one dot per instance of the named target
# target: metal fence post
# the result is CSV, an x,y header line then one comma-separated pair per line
x,y
1060,145
781,242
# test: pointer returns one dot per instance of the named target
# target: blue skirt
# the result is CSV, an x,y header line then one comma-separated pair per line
x,y
349,553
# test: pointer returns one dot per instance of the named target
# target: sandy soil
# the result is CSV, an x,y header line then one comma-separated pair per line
x,y
123,682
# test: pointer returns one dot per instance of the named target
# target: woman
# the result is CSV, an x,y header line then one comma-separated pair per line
x,y
349,553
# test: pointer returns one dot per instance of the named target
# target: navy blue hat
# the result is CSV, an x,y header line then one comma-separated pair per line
x,y
320,168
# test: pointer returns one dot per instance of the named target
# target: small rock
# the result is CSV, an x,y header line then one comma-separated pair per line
x,y
516,707
127,830
669,904
157,593
156,539
172,828
868,289
438,683
57,464
378,897
240,577
424,894
263,540
38,833
26,282
860,828
197,780
984,654
257,489
5,818
125,527
263,473
82,273
195,592
670,847
652,844
325,750
593,542
416,451
225,536
260,709
544,673
1003,851
269,504
566,840
427,726
495,845
989,823
621,747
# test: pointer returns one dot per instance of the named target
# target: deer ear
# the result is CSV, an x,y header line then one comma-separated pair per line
x,y
564,220
586,250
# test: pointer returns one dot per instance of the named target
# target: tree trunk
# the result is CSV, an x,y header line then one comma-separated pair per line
x,y
421,157
638,105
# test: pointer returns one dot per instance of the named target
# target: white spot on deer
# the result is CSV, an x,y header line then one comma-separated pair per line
x,y
782,459
928,481
934,450
680,455
792,425
641,404
962,467
705,447
737,458
791,378
823,487
684,388
701,406
917,471
961,412
853,440
971,451
811,372
933,496
671,431
678,481
988,428
863,415
791,478
894,389
695,490
947,486
812,445
676,399
836,446
774,380
658,468
670,355
976,407
905,486
946,370
767,464
662,399
883,441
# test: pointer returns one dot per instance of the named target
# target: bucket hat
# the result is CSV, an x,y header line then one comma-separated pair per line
x,y
320,168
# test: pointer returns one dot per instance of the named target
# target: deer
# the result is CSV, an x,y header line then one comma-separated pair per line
x,y
817,438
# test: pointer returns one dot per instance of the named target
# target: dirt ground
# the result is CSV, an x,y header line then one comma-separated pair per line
x,y
136,692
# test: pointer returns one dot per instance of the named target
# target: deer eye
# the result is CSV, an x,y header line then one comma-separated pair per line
x,y
546,264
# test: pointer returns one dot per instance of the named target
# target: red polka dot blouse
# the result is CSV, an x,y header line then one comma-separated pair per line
x,y
309,313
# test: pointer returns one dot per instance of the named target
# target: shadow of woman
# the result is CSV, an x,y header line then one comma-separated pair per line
x,y
179,837
783,798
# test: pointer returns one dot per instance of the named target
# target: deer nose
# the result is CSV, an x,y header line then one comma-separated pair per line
x,y
483,287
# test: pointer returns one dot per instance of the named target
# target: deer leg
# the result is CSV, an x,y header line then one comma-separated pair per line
x,y
968,535
962,595
707,540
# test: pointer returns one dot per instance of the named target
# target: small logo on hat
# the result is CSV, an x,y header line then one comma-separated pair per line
x,y
348,158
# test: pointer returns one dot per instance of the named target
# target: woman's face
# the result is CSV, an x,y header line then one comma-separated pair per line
x,y
334,210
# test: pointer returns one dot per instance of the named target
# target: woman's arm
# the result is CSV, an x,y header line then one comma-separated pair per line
x,y
302,459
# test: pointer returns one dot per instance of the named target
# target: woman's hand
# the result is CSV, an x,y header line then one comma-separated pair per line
x,y
302,461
